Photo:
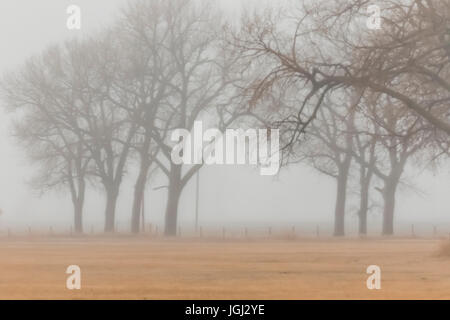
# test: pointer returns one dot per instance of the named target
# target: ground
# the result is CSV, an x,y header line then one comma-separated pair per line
x,y
141,268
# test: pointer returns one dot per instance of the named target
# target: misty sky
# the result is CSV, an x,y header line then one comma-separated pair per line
x,y
229,195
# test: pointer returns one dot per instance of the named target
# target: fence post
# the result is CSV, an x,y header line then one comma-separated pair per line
x,y
317,231
223,233
201,232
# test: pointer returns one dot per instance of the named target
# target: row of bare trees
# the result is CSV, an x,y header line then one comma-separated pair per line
x,y
352,95
88,109
348,100
375,139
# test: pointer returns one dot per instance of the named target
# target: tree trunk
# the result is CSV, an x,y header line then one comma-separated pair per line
x,y
341,194
389,205
78,216
139,190
110,210
364,205
363,214
78,203
173,199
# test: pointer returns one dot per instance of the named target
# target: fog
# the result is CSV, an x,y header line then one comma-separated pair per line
x,y
229,195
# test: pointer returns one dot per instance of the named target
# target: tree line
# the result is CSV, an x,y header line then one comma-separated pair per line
x,y
348,100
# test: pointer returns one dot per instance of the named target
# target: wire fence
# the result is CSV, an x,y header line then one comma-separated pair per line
x,y
292,232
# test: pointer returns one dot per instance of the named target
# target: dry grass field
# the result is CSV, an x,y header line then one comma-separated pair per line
x,y
130,268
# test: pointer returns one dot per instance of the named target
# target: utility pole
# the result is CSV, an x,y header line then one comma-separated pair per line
x,y
143,213
197,189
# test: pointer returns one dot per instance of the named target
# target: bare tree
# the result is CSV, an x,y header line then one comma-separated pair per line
x,y
203,82
329,150
399,134
81,87
364,146
326,46
145,79
109,124
45,109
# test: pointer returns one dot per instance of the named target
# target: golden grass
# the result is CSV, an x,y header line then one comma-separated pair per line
x,y
201,269
445,248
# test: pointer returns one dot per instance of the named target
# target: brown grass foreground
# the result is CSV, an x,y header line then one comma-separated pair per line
x,y
130,268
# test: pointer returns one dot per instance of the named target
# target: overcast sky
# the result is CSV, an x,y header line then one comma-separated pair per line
x,y
229,195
